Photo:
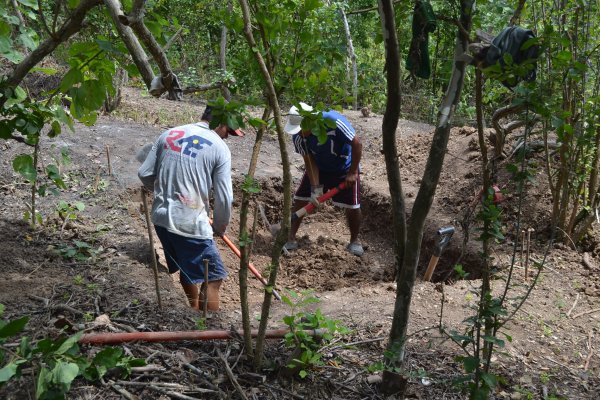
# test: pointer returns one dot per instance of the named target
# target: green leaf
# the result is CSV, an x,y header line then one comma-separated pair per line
x,y
470,363
64,373
4,28
11,55
494,340
13,327
73,3
28,3
490,379
68,344
23,164
564,55
71,78
47,71
42,382
8,372
28,40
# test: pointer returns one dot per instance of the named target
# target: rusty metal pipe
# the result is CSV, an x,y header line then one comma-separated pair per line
x,y
176,336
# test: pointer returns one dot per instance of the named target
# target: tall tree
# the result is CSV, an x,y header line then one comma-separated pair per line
x,y
408,245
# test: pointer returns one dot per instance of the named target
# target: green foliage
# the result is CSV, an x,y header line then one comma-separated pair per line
x,y
78,251
308,344
200,324
57,362
67,211
227,113
314,122
251,185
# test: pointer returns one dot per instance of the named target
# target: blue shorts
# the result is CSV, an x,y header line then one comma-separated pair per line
x,y
187,256
347,198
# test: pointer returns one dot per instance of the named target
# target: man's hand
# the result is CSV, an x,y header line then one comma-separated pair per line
x,y
315,193
351,179
220,231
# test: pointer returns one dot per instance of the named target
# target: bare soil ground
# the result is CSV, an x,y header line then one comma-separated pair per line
x,y
554,348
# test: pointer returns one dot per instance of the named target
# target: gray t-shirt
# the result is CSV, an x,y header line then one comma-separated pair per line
x,y
183,166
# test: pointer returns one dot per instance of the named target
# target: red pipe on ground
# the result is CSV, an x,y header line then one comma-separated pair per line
x,y
124,337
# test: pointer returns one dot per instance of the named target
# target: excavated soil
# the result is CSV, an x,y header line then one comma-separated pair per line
x,y
554,336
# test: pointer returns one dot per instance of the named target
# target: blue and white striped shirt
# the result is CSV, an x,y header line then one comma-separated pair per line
x,y
335,155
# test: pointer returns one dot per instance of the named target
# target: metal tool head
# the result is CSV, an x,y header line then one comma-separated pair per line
x,y
446,230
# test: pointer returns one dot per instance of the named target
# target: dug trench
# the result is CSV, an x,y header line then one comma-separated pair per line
x,y
321,261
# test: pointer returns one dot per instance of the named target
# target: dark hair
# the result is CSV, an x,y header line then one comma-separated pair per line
x,y
207,115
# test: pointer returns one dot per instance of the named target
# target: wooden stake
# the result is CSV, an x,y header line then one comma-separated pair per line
x,y
108,158
205,305
529,230
523,249
151,239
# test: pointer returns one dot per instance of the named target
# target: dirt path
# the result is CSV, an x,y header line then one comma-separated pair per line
x,y
552,335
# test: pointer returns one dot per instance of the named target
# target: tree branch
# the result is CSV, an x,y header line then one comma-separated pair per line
x,y
69,28
366,10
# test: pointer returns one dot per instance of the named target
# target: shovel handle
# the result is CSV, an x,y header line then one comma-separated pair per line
x,y
430,268
307,209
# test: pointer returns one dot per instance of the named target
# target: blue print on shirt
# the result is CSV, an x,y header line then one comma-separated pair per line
x,y
193,144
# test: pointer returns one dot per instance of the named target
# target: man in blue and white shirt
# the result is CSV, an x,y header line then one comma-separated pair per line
x,y
326,166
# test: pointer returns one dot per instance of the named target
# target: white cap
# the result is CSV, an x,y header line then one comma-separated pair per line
x,y
292,125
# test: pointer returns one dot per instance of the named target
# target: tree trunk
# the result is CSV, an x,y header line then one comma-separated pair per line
x,y
287,179
407,275
131,42
18,12
352,56
113,101
243,275
169,80
393,383
223,58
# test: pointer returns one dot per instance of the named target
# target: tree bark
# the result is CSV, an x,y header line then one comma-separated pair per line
x,y
136,22
223,57
287,178
71,26
131,42
407,275
18,12
352,56
392,382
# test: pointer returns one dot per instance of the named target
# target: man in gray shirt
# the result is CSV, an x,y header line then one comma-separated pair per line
x,y
184,165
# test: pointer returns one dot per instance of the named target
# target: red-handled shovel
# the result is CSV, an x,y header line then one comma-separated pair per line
x,y
307,209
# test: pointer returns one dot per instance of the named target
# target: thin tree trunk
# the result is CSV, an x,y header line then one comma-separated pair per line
x,y
243,275
136,50
352,56
223,56
18,12
287,178
424,199
391,383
